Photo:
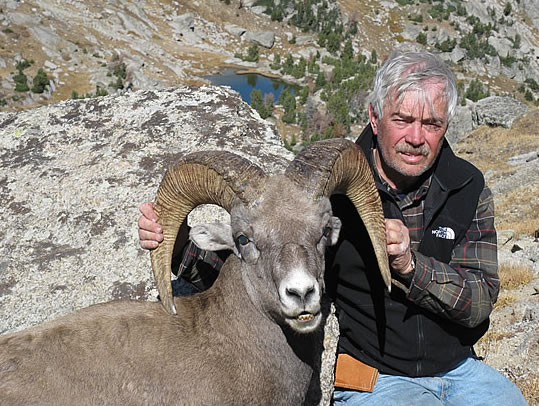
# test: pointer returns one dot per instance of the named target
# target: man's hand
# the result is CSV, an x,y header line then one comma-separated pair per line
x,y
398,246
150,232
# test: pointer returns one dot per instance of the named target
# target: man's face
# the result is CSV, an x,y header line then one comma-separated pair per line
x,y
410,134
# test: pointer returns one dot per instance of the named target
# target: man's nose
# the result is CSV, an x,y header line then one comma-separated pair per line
x,y
415,135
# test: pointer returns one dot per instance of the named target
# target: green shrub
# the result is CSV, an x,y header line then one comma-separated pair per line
x,y
276,64
447,46
461,11
421,38
263,109
439,12
320,81
476,91
118,84
418,18
338,106
252,53
120,71
99,92
22,65
507,9
40,81
21,82
516,41
289,117
288,101
374,57
508,61
3,102
298,70
532,84
348,50
303,94
476,48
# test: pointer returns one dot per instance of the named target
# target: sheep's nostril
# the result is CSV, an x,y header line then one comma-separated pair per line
x,y
302,294
293,292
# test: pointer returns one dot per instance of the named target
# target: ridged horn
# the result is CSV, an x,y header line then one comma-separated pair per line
x,y
325,167
210,177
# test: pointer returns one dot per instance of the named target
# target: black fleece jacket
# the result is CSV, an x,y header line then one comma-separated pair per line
x,y
388,331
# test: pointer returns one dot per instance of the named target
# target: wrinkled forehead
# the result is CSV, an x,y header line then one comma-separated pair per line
x,y
428,99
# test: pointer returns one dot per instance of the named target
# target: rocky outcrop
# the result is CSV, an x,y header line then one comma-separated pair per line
x,y
262,38
72,176
497,111
460,125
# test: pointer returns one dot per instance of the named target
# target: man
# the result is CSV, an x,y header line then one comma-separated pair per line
x,y
413,346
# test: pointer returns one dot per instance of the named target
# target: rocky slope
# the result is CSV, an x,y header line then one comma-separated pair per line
x,y
79,44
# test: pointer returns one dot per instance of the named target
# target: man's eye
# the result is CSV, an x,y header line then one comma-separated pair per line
x,y
433,126
242,240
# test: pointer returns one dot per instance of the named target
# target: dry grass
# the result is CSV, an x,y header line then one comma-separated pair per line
x,y
490,342
514,275
490,149
518,210
530,389
504,300
528,385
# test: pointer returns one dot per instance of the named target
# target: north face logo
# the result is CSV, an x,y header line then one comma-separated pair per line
x,y
446,233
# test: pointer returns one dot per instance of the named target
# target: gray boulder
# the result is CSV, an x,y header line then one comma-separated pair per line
x,y
184,22
531,11
72,176
235,30
458,54
460,126
262,38
497,111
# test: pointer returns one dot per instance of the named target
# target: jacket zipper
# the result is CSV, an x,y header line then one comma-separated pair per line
x,y
420,345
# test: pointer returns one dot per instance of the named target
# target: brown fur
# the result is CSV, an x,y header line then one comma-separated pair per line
x,y
134,353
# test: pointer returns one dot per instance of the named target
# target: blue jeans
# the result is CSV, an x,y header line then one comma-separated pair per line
x,y
471,383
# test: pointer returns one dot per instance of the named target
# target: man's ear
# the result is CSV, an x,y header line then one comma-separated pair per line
x,y
373,120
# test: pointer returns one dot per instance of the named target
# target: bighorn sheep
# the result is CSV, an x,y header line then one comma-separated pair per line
x,y
253,338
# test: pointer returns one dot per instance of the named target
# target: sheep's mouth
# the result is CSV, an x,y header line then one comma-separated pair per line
x,y
305,322
305,317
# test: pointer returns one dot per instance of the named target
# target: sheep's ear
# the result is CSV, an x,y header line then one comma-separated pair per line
x,y
335,230
213,237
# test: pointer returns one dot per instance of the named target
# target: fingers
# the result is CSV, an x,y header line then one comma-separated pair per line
x,y
147,211
397,237
150,232
398,245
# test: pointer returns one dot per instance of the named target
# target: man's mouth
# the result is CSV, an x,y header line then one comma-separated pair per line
x,y
412,157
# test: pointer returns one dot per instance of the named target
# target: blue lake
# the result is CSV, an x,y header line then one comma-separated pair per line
x,y
245,83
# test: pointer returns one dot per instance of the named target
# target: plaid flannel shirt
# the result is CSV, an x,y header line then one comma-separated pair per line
x,y
466,289
199,267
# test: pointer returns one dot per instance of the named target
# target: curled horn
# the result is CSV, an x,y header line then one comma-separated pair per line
x,y
214,177
334,165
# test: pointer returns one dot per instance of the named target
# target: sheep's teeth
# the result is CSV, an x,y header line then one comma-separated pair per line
x,y
305,317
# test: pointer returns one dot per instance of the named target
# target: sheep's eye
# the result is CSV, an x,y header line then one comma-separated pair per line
x,y
242,240
327,231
